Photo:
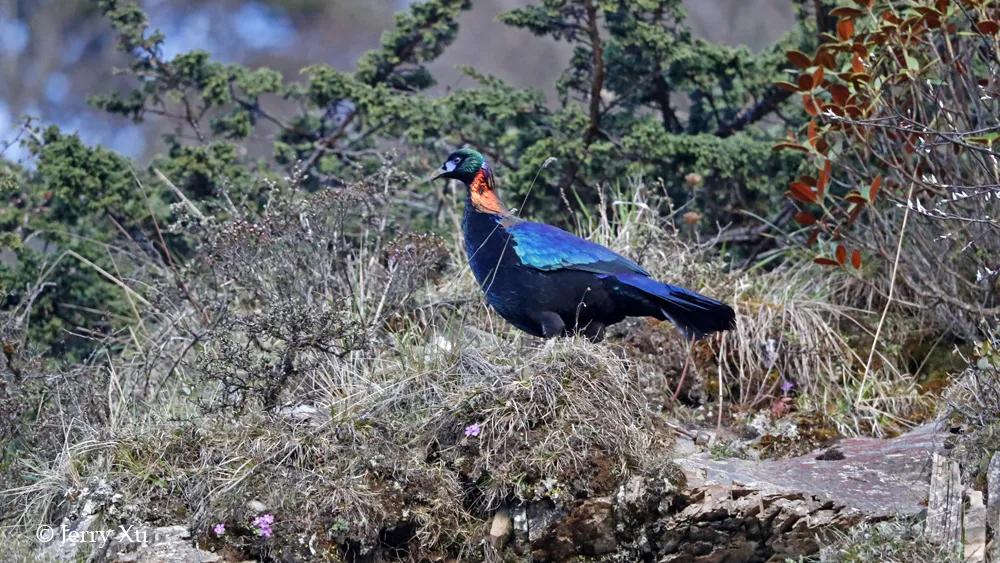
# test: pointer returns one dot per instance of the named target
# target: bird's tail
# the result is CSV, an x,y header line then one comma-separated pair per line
x,y
694,314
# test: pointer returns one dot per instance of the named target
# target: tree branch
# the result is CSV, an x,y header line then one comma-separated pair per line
x,y
772,99
597,74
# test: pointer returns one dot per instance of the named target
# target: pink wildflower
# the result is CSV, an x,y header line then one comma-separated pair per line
x,y
263,524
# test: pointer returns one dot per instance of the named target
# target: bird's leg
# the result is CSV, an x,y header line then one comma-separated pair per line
x,y
687,361
594,331
552,324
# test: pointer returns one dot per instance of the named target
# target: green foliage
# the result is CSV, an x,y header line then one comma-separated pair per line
x,y
643,96
637,84
419,36
81,182
63,223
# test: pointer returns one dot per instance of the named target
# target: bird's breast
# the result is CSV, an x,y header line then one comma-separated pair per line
x,y
489,247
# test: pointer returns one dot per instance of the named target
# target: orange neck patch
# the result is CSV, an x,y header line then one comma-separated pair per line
x,y
484,197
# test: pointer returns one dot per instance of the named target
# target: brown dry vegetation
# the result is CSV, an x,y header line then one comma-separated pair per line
x,y
323,365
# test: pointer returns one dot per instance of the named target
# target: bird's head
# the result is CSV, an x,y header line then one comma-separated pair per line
x,y
462,165
469,167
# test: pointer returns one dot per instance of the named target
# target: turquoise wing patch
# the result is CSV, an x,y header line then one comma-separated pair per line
x,y
549,248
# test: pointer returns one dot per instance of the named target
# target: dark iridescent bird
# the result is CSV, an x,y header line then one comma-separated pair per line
x,y
548,282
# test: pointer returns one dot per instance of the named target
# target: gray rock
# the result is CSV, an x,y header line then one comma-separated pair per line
x,y
974,528
944,503
993,506
170,544
500,528
876,478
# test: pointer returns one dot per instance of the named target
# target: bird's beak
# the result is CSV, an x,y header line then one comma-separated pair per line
x,y
435,175
447,167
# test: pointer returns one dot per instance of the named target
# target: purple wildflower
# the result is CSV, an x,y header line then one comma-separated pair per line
x,y
473,429
263,524
219,529
786,386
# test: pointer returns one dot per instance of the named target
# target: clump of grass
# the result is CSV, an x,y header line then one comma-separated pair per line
x,y
794,328
894,541
793,338
386,449
972,403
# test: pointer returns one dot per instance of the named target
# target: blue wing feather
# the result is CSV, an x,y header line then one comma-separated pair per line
x,y
546,247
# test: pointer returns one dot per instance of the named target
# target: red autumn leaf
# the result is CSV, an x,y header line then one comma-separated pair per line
x,y
825,58
817,76
804,81
799,59
840,93
891,17
845,29
810,107
876,184
805,218
988,27
824,177
813,237
812,132
824,261
802,192
856,259
841,254
857,65
852,216
855,197
787,86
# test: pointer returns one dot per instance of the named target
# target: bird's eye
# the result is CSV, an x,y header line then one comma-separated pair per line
x,y
457,159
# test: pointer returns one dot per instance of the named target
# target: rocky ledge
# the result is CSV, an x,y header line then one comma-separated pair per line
x,y
706,510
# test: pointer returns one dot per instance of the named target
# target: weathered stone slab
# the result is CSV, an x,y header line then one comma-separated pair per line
x,y
713,510
993,506
944,504
168,544
974,528
876,478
